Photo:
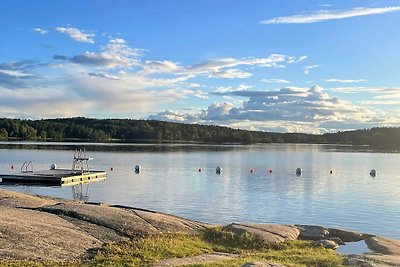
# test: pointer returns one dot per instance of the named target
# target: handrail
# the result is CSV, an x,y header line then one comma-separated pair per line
x,y
25,166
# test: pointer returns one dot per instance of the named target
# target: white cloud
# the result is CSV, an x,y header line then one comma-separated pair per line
x,y
16,73
381,102
174,116
323,15
388,96
345,81
241,87
274,81
230,74
104,75
175,94
151,67
373,90
116,54
214,67
200,94
77,35
40,31
308,68
296,60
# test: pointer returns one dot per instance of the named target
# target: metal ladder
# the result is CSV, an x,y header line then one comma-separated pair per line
x,y
26,165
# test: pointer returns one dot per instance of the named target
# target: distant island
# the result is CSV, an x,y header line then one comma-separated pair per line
x,y
129,130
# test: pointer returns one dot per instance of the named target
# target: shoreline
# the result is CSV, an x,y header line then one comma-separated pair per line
x,y
45,228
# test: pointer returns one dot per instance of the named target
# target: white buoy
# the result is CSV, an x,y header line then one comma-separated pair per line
x,y
137,168
53,166
218,170
298,171
372,173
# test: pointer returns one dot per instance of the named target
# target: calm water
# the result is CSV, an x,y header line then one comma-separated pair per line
x,y
170,182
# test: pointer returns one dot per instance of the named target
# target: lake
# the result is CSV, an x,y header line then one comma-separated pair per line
x,y
245,191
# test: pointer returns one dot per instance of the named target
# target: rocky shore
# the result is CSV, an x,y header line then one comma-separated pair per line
x,y
44,228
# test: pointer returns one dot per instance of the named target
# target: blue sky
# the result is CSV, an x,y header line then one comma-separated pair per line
x,y
303,66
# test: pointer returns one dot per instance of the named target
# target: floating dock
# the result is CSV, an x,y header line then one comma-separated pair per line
x,y
54,177
78,174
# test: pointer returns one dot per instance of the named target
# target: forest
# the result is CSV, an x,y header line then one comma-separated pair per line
x,y
129,130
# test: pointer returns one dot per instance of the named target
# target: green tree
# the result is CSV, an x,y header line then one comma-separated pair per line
x,y
3,134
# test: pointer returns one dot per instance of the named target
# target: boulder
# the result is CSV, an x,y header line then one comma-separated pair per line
x,y
345,235
327,244
337,240
288,232
312,232
269,233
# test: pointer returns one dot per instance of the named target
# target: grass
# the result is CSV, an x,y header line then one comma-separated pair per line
x,y
147,251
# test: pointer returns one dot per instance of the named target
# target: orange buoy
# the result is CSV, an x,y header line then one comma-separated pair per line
x,y
12,167
270,171
112,168
199,169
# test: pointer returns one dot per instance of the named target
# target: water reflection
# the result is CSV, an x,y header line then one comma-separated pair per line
x,y
79,191
178,147
169,181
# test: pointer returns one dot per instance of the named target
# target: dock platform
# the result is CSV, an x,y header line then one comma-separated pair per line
x,y
54,177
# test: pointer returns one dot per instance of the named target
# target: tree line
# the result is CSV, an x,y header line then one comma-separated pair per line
x,y
128,130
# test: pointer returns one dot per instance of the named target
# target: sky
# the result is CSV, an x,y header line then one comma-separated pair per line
x,y
285,66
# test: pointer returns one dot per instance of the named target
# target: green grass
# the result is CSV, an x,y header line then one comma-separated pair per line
x,y
147,251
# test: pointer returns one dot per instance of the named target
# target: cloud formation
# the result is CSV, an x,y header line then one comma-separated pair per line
x,y
116,54
323,15
117,80
230,74
344,80
40,31
308,68
77,35
288,106
380,95
228,67
16,74
274,81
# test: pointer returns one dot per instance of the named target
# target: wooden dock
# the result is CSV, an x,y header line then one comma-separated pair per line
x,y
61,177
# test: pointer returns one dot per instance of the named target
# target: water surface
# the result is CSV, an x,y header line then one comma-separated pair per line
x,y
170,181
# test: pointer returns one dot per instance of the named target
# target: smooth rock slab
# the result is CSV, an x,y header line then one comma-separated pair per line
x,y
29,234
16,199
127,222
119,220
33,227
167,223
383,245
269,233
